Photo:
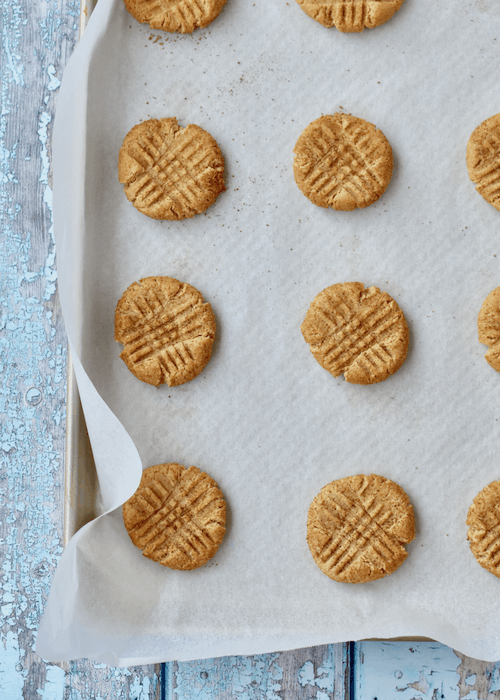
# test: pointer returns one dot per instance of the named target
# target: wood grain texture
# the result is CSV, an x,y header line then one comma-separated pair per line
x,y
318,672
411,670
37,39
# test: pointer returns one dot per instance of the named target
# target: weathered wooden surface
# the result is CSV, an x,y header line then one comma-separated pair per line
x,y
38,37
319,672
414,670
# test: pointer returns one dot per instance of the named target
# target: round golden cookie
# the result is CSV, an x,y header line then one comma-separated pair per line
x,y
342,162
177,516
167,330
483,520
169,172
483,159
350,15
175,15
357,528
488,326
360,333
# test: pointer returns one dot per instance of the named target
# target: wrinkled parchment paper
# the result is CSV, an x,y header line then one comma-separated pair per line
x,y
264,419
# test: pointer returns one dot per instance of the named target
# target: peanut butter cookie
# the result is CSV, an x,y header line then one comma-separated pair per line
x,y
342,162
167,330
483,160
350,15
483,520
357,528
488,326
360,333
177,516
169,172
175,15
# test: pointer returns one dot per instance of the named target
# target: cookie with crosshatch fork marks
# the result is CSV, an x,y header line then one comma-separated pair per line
x,y
167,330
342,162
357,528
177,516
488,326
483,520
182,16
360,333
169,172
483,160
350,15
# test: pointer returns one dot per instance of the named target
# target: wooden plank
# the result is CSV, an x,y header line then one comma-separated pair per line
x,y
411,670
480,677
93,680
405,670
37,39
320,672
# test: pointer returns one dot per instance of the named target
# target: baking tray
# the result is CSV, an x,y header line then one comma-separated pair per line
x,y
82,496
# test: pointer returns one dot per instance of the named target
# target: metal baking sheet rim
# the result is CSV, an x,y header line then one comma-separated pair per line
x,y
80,479
81,502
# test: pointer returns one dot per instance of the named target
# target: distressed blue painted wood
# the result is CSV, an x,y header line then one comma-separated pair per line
x,y
38,36
319,672
411,670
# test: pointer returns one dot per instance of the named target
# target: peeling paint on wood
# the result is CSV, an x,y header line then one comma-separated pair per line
x,y
37,38
319,672
408,670
414,670
84,680
478,679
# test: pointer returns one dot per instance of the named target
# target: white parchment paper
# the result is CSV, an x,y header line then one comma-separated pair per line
x,y
264,419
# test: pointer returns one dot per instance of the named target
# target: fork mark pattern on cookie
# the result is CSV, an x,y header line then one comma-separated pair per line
x,y
175,15
362,534
483,159
349,327
357,528
488,545
169,172
350,15
487,170
342,162
178,521
362,332
167,331
483,520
